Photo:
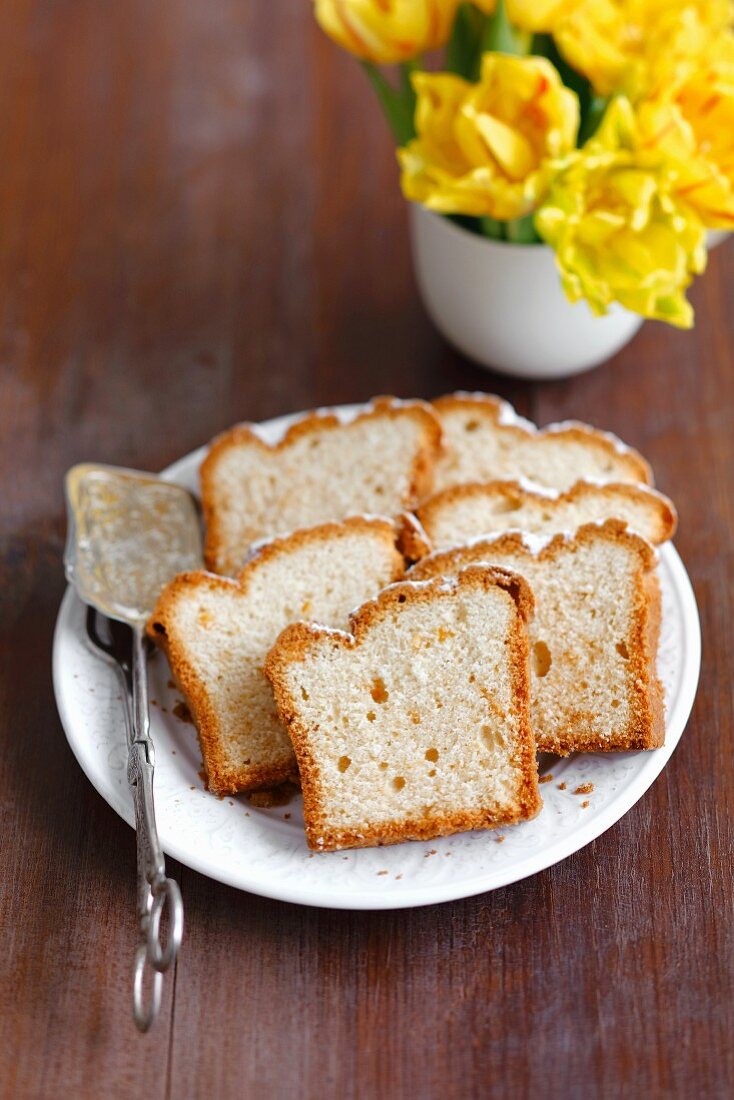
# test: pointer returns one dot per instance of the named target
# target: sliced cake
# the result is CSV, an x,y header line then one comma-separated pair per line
x,y
485,440
416,724
323,469
472,511
217,632
594,637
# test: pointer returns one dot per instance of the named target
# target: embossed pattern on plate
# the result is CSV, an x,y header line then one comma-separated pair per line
x,y
264,851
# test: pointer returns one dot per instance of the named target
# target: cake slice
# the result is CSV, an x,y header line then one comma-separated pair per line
x,y
323,469
485,440
416,724
217,632
594,637
472,511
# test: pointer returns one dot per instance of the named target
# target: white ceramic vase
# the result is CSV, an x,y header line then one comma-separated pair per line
x,y
502,304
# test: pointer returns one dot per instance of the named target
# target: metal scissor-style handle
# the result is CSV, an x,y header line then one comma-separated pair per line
x,y
129,532
155,890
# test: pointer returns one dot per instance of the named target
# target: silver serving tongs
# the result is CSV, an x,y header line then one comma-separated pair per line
x,y
129,534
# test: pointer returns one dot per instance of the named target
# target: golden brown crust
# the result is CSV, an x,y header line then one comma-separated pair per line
x,y
297,641
273,548
651,618
221,777
494,409
421,475
457,557
516,494
413,542
489,404
646,729
647,724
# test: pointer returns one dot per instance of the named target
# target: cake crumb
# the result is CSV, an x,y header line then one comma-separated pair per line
x,y
561,786
382,872
286,817
276,796
431,853
546,778
182,712
585,804
500,839
585,788
398,876
171,684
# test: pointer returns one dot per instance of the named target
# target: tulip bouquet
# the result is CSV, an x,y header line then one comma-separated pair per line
x,y
602,127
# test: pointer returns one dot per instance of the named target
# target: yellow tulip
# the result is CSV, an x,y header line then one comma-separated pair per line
x,y
538,16
632,45
483,148
692,124
618,230
387,31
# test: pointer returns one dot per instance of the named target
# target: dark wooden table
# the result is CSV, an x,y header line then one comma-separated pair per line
x,y
199,223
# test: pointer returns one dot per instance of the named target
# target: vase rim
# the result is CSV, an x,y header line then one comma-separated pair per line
x,y
419,210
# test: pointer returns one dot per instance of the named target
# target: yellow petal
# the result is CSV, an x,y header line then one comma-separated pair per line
x,y
508,147
485,148
538,16
619,229
633,46
387,31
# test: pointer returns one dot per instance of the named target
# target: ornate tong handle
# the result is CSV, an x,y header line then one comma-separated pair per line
x,y
155,890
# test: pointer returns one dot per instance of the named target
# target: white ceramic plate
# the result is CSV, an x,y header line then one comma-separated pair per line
x,y
265,850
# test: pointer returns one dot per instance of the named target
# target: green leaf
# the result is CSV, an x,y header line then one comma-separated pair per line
x,y
522,230
542,45
397,103
493,228
499,35
409,98
467,222
592,118
463,47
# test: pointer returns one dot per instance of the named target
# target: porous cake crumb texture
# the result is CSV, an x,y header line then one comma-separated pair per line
x,y
417,726
467,512
217,634
593,640
380,463
483,444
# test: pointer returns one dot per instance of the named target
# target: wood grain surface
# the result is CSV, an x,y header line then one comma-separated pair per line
x,y
199,223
